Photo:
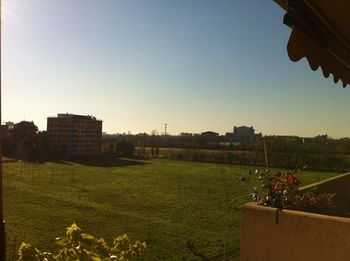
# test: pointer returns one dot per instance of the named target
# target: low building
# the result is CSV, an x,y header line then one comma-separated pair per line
x,y
243,134
186,134
210,136
75,135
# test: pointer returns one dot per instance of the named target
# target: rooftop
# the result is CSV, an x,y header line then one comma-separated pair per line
x,y
74,116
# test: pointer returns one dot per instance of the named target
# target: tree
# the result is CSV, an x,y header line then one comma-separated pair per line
x,y
45,150
125,148
27,149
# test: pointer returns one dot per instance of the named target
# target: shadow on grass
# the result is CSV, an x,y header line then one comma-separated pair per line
x,y
61,162
107,162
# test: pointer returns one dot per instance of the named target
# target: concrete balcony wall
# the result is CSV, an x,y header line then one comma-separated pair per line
x,y
272,235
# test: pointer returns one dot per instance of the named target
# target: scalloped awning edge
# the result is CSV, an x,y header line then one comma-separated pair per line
x,y
300,45
319,35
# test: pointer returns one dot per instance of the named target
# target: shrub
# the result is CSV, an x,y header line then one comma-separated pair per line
x,y
281,190
80,246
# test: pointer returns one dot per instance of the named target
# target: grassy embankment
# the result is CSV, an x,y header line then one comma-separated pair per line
x,y
163,202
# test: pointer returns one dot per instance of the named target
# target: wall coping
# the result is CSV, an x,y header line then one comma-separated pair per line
x,y
316,184
325,217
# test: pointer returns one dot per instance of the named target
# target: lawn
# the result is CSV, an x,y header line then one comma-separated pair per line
x,y
165,203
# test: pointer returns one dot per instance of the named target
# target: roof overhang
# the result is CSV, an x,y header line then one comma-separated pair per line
x,y
321,33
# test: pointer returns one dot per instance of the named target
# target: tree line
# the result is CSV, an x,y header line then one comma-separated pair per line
x,y
320,152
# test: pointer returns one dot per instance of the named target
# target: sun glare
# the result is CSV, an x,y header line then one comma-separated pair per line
x,y
6,14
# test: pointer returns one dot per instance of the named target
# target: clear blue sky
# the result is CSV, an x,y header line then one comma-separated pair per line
x,y
136,64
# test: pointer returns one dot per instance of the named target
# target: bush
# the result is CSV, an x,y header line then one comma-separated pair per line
x,y
282,191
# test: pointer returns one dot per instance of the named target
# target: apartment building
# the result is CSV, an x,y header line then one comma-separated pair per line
x,y
75,135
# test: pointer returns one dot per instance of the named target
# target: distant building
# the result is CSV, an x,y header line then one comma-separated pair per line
x,y
75,135
320,139
210,136
243,134
186,134
289,138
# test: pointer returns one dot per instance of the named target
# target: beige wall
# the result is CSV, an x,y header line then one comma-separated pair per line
x,y
295,236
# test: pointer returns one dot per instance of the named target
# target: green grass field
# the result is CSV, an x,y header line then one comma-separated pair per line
x,y
164,202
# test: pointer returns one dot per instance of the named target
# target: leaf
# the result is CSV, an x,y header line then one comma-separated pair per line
x,y
61,241
88,236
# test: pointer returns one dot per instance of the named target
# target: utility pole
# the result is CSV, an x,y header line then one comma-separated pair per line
x,y
165,126
2,221
266,156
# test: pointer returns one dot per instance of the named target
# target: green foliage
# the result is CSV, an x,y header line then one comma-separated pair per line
x,y
26,149
34,148
125,148
80,246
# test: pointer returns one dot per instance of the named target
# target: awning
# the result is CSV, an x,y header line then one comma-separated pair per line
x,y
321,33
